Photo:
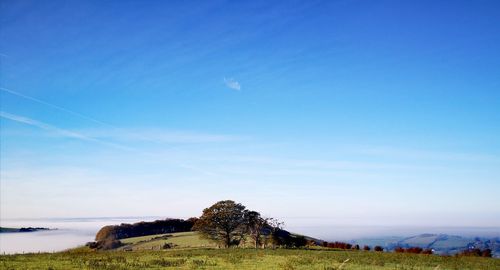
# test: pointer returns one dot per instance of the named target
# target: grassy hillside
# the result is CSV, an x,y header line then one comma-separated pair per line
x,y
176,240
202,258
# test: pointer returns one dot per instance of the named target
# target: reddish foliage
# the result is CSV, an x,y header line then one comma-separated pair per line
x,y
399,250
339,245
415,250
476,252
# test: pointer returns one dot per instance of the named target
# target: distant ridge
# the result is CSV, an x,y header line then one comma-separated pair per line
x,y
443,244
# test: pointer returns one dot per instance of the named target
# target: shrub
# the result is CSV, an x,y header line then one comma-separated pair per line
x,y
378,248
339,245
366,248
415,250
427,251
476,252
105,244
486,253
399,250
108,244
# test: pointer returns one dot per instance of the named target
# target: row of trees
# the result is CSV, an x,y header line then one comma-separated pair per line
x,y
125,230
230,223
108,237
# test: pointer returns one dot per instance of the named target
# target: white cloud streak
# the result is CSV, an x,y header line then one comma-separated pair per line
x,y
79,136
232,84
12,92
116,133
60,131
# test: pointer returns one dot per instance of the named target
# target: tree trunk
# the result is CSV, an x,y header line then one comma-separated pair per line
x,y
228,239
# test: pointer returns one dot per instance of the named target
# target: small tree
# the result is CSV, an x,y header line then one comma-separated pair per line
x,y
223,222
275,226
255,225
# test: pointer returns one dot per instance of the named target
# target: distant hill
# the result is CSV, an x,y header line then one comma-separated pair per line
x,y
442,244
27,229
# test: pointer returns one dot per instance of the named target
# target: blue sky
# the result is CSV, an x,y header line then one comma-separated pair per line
x,y
372,112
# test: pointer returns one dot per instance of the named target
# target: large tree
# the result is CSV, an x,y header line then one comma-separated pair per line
x,y
224,222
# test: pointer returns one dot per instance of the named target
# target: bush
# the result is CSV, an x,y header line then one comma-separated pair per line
x,y
366,248
399,250
339,245
415,250
378,248
427,251
476,252
104,244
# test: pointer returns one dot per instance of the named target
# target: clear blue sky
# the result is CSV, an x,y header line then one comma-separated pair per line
x,y
361,112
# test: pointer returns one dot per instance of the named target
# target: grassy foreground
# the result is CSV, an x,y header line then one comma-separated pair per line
x,y
206,258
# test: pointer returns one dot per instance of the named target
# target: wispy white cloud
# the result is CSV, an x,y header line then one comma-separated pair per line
x,y
112,132
54,106
232,84
118,138
60,131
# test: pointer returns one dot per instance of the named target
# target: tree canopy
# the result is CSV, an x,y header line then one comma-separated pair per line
x,y
224,222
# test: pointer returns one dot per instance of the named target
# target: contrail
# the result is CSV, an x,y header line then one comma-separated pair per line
x,y
73,113
61,131
76,135
79,136
55,106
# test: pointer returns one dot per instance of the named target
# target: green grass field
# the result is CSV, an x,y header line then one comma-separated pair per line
x,y
193,252
239,258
